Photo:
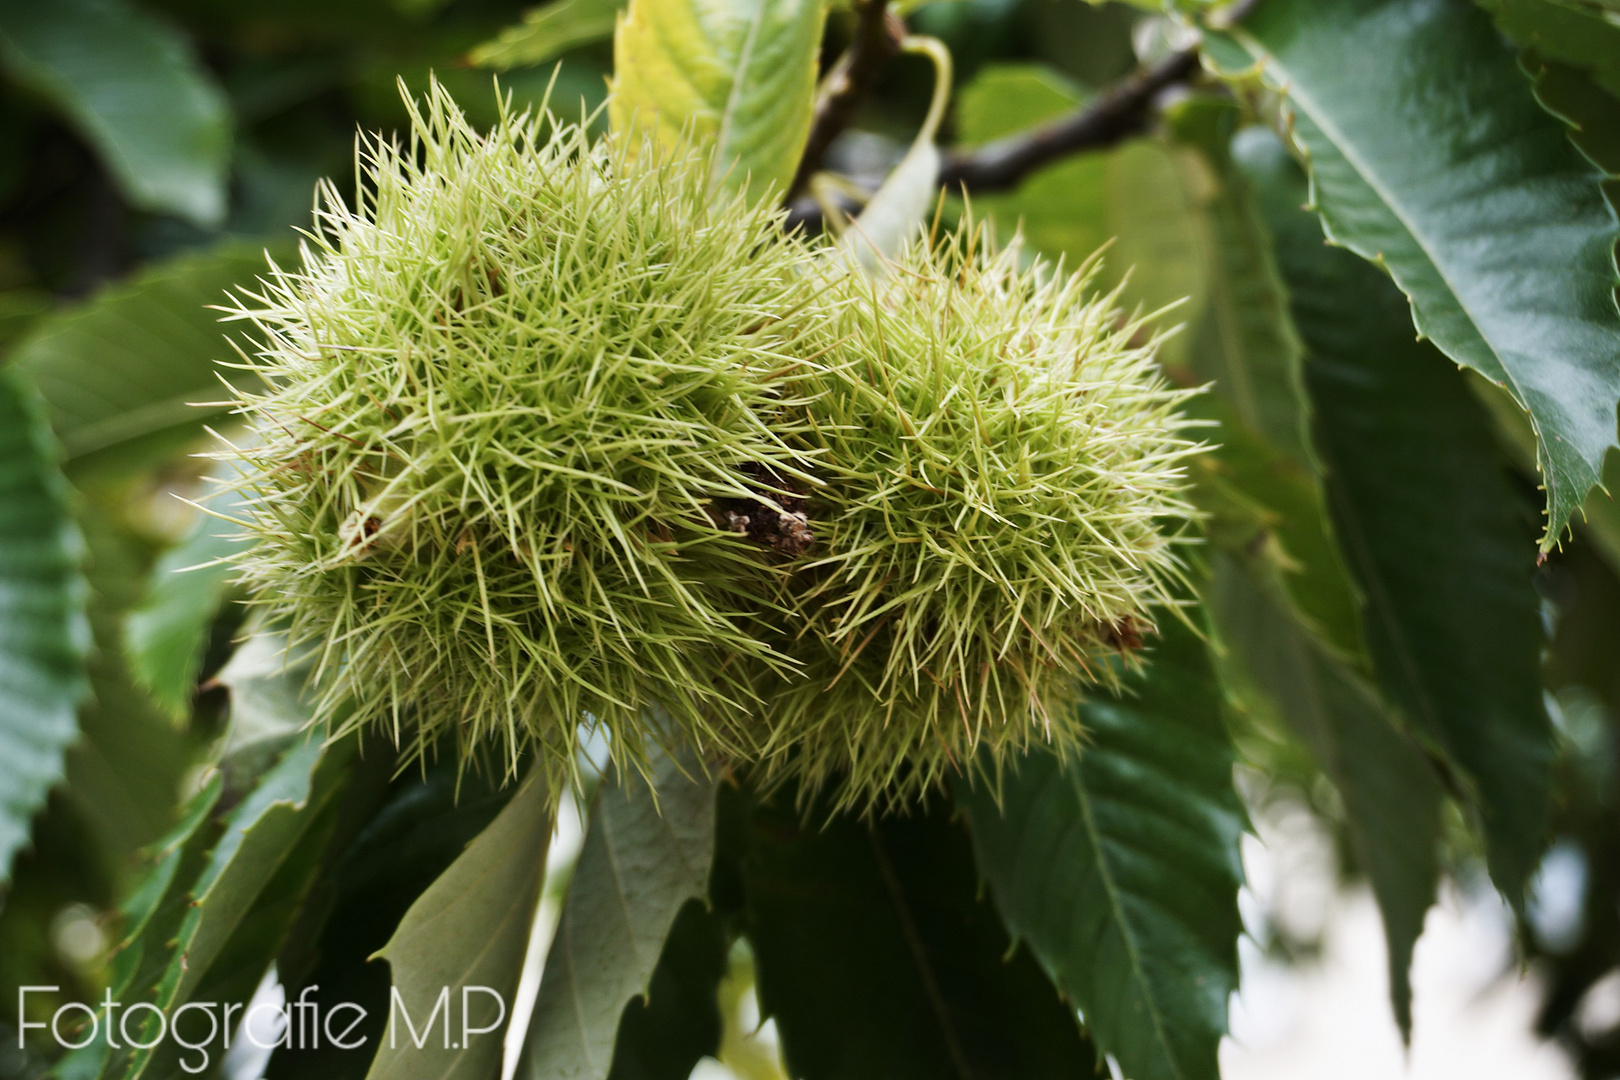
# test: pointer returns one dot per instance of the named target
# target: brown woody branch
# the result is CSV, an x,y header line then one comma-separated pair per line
x,y
877,39
1122,111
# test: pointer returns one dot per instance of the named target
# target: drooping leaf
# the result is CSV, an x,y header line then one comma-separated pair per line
x,y
424,824
664,1035
897,210
1391,796
260,834
150,916
737,77
547,32
1245,343
166,635
44,634
130,84
1433,529
877,953
1585,35
129,761
646,854
1429,155
1120,869
469,929
121,373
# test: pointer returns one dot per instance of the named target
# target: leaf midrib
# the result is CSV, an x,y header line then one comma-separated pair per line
x,y
1117,910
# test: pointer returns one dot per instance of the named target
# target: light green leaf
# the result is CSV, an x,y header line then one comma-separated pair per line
x,y
44,635
1121,869
1429,155
1576,32
261,833
267,706
470,928
129,82
166,635
547,32
1261,484
735,76
121,373
1391,797
1005,99
1432,527
646,854
896,212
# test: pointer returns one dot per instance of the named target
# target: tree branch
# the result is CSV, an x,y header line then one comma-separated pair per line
x,y
877,39
1122,111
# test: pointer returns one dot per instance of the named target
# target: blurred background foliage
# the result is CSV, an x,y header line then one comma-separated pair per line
x,y
153,151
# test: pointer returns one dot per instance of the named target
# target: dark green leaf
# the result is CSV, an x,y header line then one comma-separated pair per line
x,y
1245,344
1573,31
1436,534
469,929
1390,794
646,854
43,631
1120,869
122,373
129,82
878,956
663,1036
424,824
1430,156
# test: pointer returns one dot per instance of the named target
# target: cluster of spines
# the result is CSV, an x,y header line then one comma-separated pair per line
x,y
498,400
527,406
1002,472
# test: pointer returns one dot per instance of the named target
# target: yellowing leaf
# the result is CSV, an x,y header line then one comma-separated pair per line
x,y
739,75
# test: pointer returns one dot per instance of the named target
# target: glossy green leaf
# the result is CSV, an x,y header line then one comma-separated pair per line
x,y
43,631
131,85
664,1035
878,955
1433,529
1577,32
547,32
469,929
1390,794
166,635
1120,869
122,372
736,76
1430,156
646,854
